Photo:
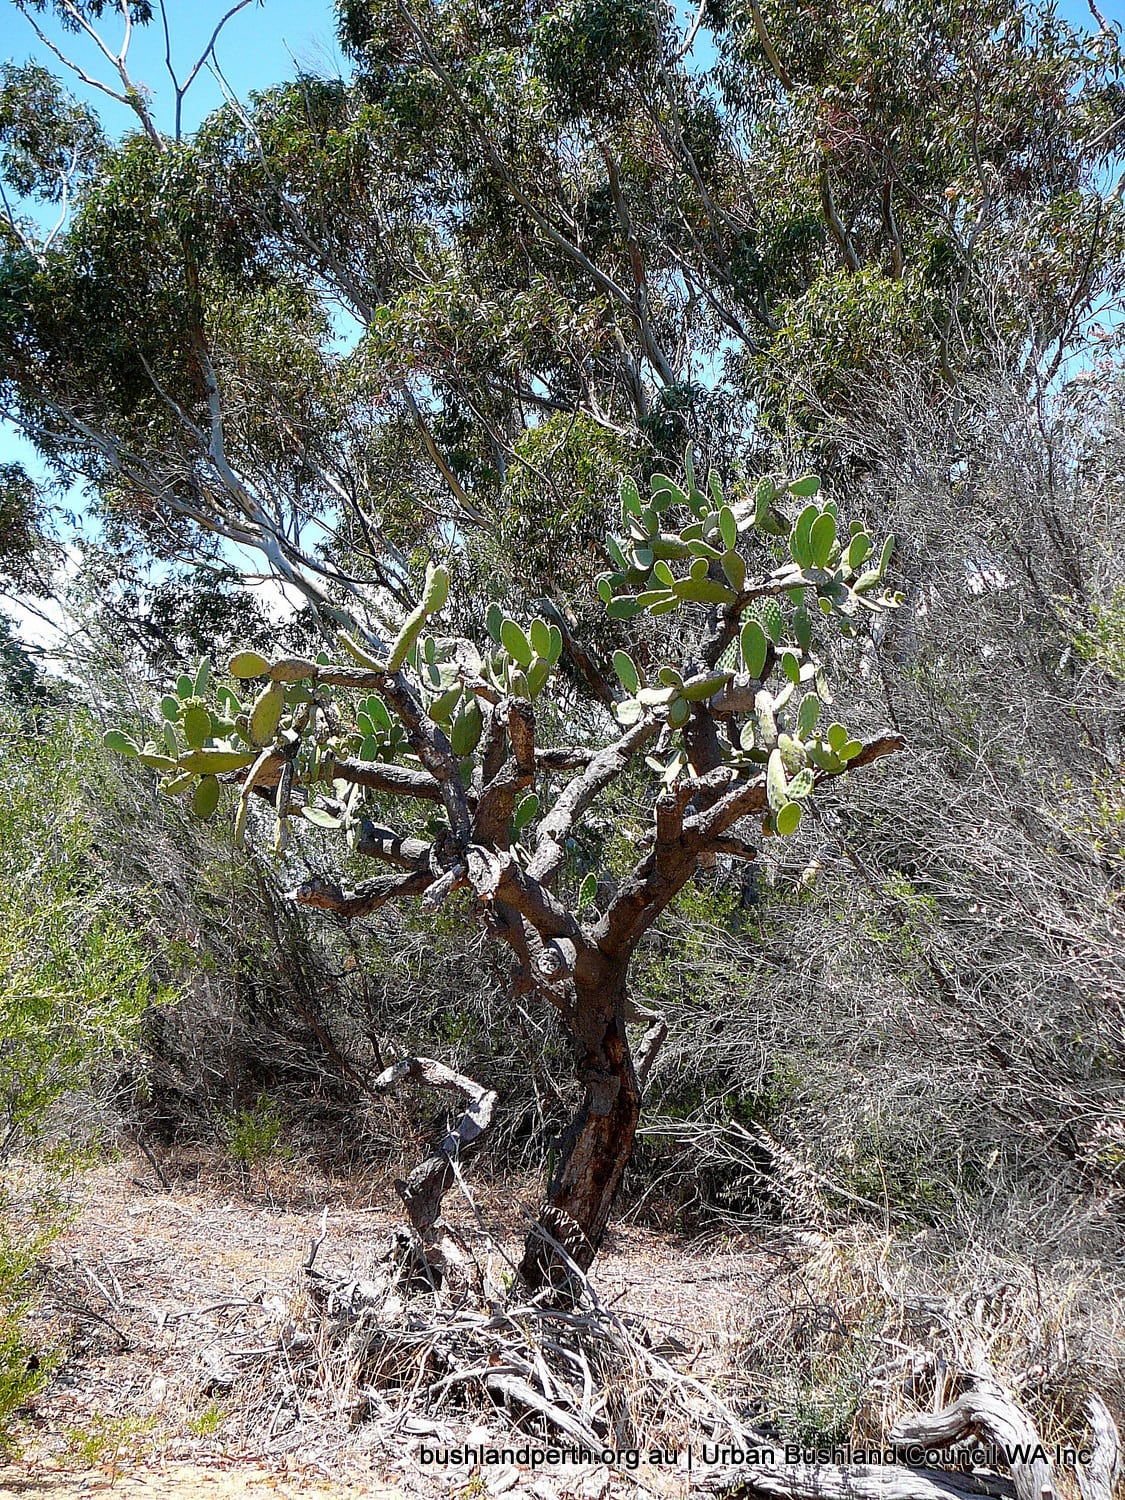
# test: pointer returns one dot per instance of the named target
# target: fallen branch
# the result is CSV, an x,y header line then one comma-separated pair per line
x,y
1100,1478
835,1482
986,1411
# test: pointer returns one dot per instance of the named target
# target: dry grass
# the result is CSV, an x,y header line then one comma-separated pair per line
x,y
189,1322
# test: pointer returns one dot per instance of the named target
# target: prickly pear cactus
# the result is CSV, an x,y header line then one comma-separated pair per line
x,y
686,546
309,734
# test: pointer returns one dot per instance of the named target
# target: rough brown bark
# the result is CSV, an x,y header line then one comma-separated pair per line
x,y
599,1141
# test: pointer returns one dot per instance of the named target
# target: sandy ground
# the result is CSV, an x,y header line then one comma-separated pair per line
x,y
162,1299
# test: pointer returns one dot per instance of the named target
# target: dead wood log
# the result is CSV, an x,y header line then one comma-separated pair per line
x,y
422,1192
774,1481
512,1388
986,1411
1100,1478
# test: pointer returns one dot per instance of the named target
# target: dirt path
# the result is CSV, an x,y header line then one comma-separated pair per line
x,y
166,1301
184,1482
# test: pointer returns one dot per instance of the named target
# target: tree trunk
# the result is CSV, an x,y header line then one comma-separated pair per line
x,y
599,1141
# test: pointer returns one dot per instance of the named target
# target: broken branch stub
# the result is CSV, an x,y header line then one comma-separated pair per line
x,y
423,1190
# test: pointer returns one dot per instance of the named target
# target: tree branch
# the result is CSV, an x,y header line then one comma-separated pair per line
x,y
498,877
607,764
326,895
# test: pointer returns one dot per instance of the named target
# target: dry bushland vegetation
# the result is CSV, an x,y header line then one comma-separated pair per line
x,y
457,314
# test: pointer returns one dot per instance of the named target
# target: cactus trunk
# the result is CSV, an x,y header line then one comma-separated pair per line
x,y
599,1141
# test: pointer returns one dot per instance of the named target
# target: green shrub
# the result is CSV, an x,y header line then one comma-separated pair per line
x,y
74,983
255,1134
74,973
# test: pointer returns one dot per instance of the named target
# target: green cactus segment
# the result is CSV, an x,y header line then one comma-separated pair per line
x,y
405,641
248,664
859,549
260,763
265,716
526,811
791,667
805,487
121,743
319,817
764,717
801,785
735,570
154,760
837,737
754,648
205,800
697,691
662,485
440,710
766,517
435,595
171,707
378,712
202,683
807,715
627,673
630,500
360,653
516,644
787,818
777,784
773,619
467,726
874,576
728,528
541,639
213,761
793,756
197,726
703,591
587,891
822,539
679,711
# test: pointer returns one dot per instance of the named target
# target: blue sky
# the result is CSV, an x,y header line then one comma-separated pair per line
x,y
265,42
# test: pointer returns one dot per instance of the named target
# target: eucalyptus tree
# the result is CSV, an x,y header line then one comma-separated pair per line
x,y
516,255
